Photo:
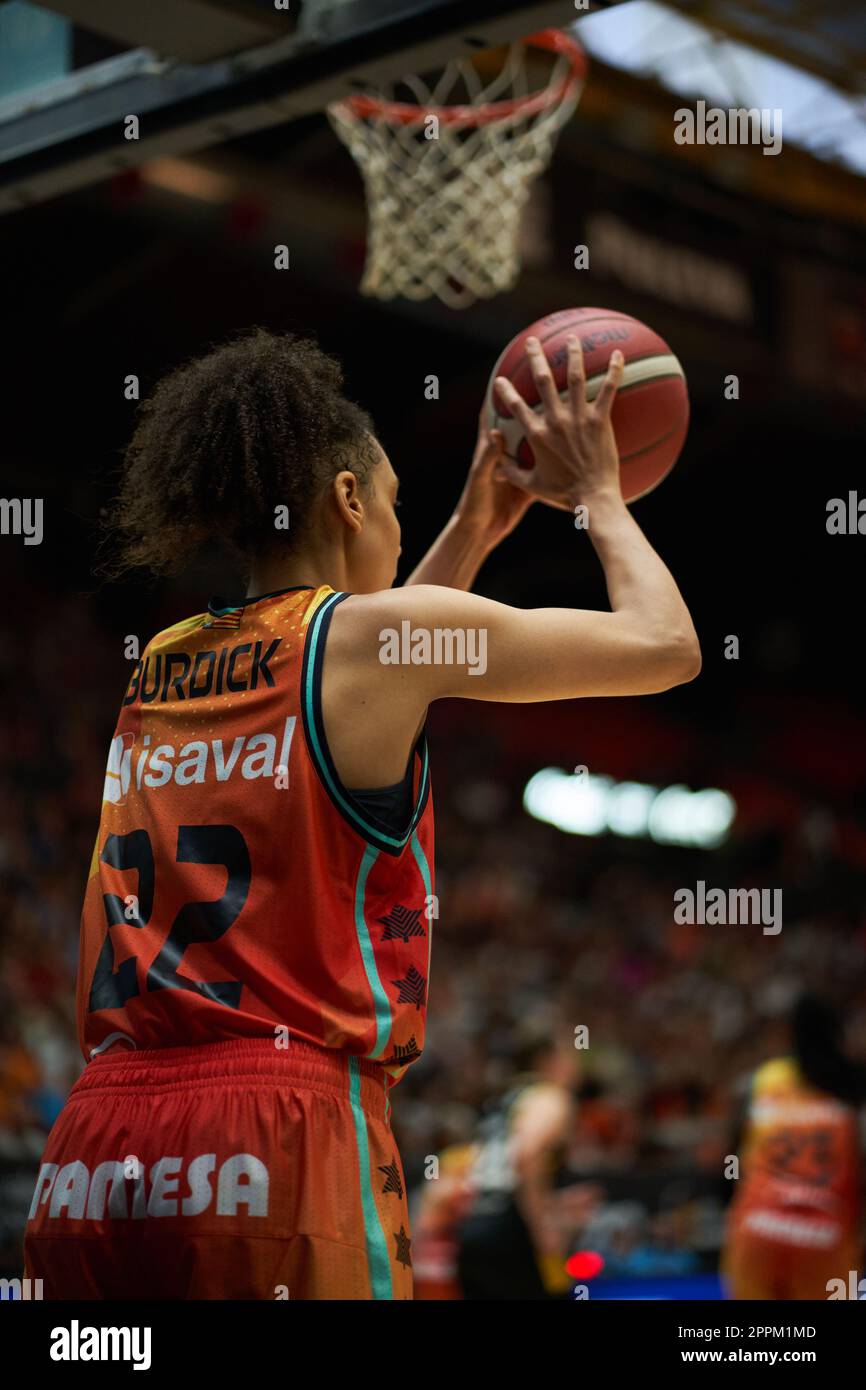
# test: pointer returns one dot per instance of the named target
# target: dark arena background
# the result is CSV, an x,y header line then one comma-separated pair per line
x,y
122,258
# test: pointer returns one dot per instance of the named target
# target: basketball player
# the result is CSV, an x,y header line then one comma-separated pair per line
x,y
794,1223
255,943
510,1243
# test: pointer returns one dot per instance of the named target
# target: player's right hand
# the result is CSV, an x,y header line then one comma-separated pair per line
x,y
571,438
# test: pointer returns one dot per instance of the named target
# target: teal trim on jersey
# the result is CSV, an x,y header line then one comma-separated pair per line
x,y
377,1248
381,1003
349,809
424,869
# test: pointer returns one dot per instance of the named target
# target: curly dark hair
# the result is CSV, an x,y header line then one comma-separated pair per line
x,y
224,440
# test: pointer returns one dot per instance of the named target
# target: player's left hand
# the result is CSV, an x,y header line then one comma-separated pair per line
x,y
490,504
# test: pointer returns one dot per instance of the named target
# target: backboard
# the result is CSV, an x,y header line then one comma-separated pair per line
x,y
196,73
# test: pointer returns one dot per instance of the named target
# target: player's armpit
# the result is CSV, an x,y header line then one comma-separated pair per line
x,y
452,643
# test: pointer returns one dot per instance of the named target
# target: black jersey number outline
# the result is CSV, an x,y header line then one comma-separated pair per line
x,y
194,923
787,1147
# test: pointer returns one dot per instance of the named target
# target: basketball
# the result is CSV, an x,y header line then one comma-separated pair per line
x,y
651,410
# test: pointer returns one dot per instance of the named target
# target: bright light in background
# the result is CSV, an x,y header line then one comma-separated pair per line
x,y
588,804
690,59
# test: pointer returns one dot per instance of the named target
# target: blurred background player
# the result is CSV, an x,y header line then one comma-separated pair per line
x,y
511,1245
492,1203
795,1221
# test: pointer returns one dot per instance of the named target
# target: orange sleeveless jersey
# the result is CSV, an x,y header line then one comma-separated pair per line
x,y
801,1160
237,888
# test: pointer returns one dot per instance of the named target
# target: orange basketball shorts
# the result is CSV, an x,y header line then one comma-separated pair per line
x,y
755,1266
232,1170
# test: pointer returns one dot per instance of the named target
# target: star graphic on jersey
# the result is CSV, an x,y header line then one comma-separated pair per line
x,y
412,987
408,1052
392,1177
404,1245
402,922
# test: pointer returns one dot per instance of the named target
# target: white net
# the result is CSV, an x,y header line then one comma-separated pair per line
x,y
448,174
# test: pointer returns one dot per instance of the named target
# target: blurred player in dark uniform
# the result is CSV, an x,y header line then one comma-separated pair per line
x,y
511,1243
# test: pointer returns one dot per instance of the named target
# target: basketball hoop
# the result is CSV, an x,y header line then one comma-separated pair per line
x,y
447,180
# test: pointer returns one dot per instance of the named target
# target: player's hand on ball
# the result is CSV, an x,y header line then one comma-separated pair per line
x,y
491,505
571,438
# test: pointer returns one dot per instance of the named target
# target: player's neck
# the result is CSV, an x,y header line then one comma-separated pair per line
x,y
273,572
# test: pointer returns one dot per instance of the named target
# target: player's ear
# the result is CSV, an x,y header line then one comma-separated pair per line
x,y
347,499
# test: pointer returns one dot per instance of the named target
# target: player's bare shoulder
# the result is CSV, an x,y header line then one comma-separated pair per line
x,y
383,629
375,697
409,638
413,601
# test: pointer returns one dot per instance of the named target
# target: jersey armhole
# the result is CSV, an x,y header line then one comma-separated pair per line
x,y
361,818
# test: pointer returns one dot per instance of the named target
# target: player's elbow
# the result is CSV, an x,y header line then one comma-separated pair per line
x,y
691,658
678,660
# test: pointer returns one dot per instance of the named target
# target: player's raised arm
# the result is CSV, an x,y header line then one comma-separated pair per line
x,y
489,508
647,643
527,655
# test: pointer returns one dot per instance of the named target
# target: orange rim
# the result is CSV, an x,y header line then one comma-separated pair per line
x,y
407,113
